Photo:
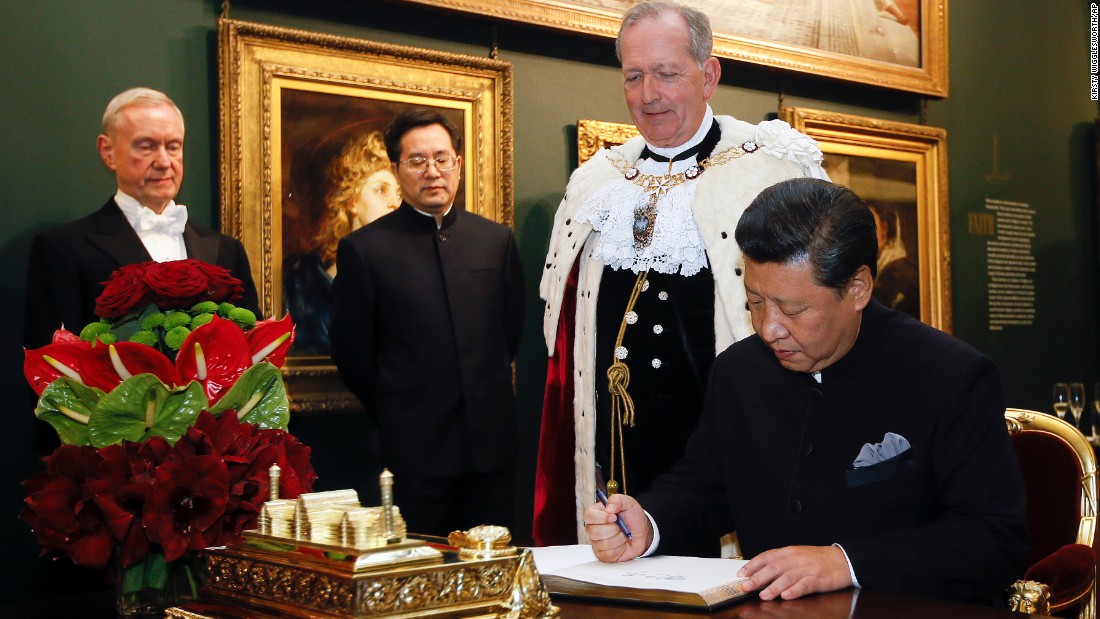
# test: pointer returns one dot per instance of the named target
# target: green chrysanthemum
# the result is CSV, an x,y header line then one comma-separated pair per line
x,y
174,338
145,337
200,320
176,319
152,321
243,317
94,329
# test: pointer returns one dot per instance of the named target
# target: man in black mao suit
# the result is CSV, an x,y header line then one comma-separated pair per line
x,y
428,307
142,143
847,443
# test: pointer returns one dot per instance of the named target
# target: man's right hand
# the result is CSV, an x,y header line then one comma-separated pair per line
x,y
608,542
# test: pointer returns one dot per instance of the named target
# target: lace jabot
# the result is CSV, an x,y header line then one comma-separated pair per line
x,y
676,247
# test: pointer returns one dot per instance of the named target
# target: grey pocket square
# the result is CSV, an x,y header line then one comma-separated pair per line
x,y
891,446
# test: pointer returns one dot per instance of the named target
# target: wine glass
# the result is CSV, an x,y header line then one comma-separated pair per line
x,y
1096,409
1060,398
1077,402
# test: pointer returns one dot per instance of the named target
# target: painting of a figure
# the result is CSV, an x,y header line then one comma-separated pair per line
x,y
888,43
890,189
336,178
882,30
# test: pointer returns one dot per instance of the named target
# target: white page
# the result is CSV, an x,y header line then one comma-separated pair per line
x,y
551,558
684,574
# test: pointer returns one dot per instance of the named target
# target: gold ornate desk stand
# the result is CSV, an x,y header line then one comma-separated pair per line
x,y
323,555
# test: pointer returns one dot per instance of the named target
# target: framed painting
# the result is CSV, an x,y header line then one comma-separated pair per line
x,y
899,44
303,162
592,135
900,171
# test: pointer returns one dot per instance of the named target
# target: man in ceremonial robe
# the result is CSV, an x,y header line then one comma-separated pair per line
x,y
642,280
847,443
142,143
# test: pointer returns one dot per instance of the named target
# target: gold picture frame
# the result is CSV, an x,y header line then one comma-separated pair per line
x,y
592,135
291,101
900,170
874,32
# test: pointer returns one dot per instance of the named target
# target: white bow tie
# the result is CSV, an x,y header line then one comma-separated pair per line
x,y
171,221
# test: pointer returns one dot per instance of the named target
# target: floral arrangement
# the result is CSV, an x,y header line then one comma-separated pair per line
x,y
170,410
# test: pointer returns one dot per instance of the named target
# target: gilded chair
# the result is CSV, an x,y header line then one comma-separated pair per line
x,y
1059,469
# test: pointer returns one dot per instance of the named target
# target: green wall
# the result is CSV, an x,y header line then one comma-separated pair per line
x,y
1019,70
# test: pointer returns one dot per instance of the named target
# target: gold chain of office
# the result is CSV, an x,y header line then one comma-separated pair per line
x,y
645,218
645,215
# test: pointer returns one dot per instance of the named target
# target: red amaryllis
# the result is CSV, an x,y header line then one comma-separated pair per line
x,y
248,453
188,498
126,480
124,292
61,509
293,458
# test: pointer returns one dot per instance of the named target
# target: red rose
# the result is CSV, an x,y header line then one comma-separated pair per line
x,y
123,293
223,286
177,284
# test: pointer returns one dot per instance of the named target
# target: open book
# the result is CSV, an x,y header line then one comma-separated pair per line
x,y
684,581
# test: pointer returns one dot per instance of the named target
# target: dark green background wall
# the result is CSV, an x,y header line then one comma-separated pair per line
x,y
1019,70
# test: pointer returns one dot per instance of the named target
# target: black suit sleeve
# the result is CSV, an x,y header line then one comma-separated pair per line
x,y
978,542
243,271
352,328
513,296
52,293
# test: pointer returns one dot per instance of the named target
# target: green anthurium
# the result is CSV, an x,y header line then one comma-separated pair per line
x,y
67,405
259,397
141,407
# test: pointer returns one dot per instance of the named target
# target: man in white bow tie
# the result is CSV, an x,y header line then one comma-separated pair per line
x,y
142,143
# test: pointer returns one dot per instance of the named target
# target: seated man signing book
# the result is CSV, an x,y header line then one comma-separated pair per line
x,y
846,443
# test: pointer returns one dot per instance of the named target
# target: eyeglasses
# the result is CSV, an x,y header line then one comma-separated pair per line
x,y
420,164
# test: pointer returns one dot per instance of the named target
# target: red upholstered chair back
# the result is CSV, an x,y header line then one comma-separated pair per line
x,y
1059,468
1058,503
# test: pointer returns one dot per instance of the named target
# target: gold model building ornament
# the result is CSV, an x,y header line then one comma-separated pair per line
x,y
324,555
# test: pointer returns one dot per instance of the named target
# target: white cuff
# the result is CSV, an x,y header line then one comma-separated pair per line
x,y
656,536
851,572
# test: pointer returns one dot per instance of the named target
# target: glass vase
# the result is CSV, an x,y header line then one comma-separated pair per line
x,y
148,588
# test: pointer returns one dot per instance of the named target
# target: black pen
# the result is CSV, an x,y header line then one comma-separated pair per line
x,y
618,520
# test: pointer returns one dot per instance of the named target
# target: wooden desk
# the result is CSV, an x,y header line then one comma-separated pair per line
x,y
838,605
848,604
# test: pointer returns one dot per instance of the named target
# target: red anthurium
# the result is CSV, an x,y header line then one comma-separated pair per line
x,y
215,354
188,499
62,336
105,367
42,366
270,340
